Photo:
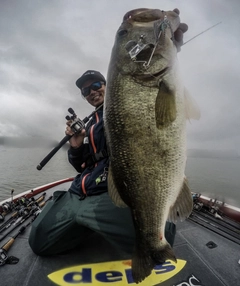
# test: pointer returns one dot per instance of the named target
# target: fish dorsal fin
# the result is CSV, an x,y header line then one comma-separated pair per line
x,y
192,110
165,106
112,191
183,205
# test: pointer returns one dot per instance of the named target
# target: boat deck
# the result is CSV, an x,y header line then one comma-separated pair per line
x,y
211,259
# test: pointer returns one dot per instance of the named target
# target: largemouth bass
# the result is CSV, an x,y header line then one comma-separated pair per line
x,y
145,113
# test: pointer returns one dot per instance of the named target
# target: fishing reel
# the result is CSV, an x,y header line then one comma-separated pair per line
x,y
23,201
14,206
23,211
8,207
77,124
2,217
3,256
198,206
5,259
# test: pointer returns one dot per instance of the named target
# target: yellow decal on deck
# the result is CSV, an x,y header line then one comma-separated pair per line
x,y
117,273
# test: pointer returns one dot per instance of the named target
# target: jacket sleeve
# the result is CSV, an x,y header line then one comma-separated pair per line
x,y
77,157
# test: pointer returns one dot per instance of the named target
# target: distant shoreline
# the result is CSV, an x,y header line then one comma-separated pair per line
x,y
38,141
220,154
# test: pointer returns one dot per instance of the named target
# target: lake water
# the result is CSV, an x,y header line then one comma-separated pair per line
x,y
18,169
215,177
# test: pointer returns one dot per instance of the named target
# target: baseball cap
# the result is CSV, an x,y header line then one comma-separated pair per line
x,y
90,74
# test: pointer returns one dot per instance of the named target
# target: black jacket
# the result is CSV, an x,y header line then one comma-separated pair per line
x,y
92,179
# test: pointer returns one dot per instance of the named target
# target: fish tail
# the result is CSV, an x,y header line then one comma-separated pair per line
x,y
142,266
142,263
161,256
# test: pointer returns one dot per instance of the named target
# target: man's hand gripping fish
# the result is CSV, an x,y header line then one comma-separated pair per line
x,y
145,114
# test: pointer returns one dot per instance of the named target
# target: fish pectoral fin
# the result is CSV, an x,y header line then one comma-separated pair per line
x,y
165,106
183,205
112,191
192,110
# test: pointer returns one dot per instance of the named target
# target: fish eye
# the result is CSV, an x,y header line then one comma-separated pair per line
x,y
122,33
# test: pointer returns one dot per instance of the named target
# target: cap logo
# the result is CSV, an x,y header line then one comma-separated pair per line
x,y
87,73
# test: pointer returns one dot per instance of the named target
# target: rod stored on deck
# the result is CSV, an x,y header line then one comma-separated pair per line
x,y
4,258
23,210
34,211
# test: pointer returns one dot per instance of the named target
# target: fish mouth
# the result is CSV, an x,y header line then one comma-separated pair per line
x,y
156,29
161,72
149,76
145,16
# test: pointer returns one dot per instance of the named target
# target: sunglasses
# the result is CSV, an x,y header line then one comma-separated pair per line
x,y
94,86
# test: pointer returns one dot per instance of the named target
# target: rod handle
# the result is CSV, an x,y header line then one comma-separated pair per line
x,y
53,152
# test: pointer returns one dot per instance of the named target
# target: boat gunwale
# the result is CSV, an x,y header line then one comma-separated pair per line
x,y
37,190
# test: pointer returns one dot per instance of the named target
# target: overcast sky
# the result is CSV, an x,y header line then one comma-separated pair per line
x,y
46,45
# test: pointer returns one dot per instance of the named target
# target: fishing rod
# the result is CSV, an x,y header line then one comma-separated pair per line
x,y
201,33
35,211
15,204
20,212
4,258
77,125
221,223
7,207
13,218
214,227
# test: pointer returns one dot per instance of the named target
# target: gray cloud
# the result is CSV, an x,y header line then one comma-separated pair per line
x,y
46,45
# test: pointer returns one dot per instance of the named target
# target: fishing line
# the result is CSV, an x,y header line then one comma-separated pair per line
x,y
201,33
